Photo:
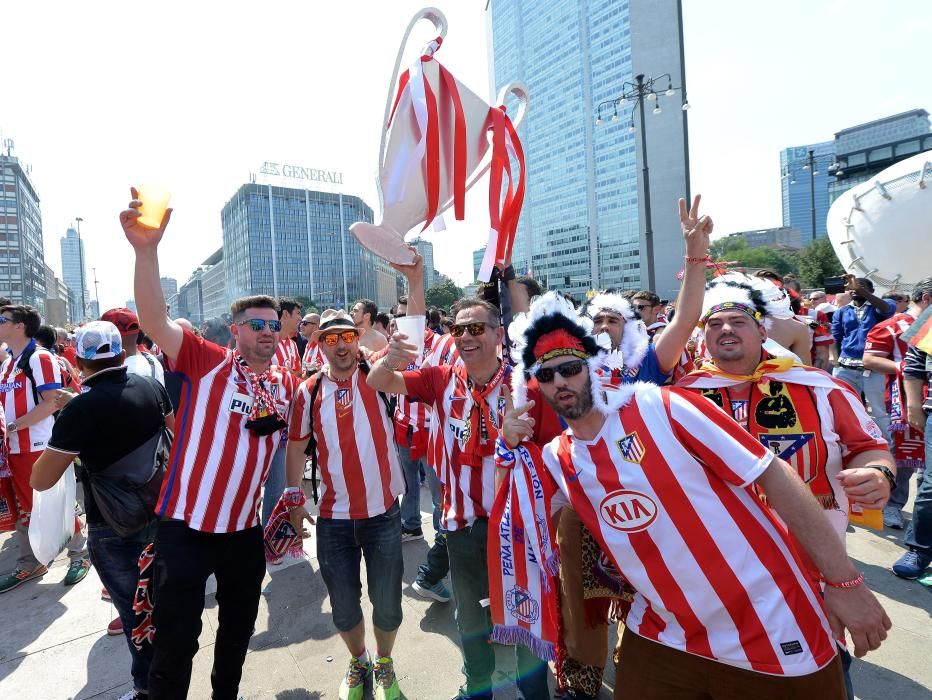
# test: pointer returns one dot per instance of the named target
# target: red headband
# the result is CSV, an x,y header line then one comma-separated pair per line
x,y
557,343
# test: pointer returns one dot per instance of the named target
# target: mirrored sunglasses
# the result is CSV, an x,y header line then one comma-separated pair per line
x,y
258,324
348,337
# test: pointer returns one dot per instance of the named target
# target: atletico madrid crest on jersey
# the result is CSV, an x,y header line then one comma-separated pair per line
x,y
739,411
522,605
344,398
631,448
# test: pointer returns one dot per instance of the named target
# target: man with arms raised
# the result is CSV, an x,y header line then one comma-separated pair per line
x,y
724,607
232,409
466,403
343,424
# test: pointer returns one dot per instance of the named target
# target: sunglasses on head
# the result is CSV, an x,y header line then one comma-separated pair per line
x,y
476,328
348,337
259,324
545,375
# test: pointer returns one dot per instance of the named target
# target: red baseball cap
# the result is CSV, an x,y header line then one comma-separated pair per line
x,y
124,319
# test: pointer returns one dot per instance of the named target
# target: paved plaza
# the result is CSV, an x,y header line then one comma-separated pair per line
x,y
54,646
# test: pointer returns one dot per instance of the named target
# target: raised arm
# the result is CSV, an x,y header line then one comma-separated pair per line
x,y
414,274
696,231
150,301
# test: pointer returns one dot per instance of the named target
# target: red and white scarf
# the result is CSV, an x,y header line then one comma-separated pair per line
x,y
908,443
262,404
483,430
522,557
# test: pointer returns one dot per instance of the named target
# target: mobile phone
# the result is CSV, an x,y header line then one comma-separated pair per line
x,y
834,285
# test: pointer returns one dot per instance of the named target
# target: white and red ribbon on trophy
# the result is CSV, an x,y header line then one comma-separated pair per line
x,y
434,146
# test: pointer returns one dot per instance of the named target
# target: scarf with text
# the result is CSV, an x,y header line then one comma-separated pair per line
x,y
522,558
262,404
279,536
908,443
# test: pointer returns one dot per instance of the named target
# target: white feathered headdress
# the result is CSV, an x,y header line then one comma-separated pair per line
x,y
759,298
634,341
553,328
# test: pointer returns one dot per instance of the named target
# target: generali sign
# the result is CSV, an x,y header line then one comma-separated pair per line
x,y
298,172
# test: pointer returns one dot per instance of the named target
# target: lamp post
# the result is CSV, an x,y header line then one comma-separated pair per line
x,y
810,163
638,92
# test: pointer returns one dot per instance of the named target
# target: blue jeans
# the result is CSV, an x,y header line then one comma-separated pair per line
x,y
438,561
411,501
340,546
470,575
274,484
919,532
873,387
117,562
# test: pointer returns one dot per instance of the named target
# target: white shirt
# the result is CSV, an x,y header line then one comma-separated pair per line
x,y
145,365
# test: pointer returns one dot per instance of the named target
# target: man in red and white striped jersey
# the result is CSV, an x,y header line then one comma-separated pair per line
x,y
286,353
346,423
664,483
28,405
232,410
884,353
466,402
313,358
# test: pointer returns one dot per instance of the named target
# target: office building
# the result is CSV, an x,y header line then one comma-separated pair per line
x,y
296,243
191,299
131,305
74,272
477,256
213,287
803,189
22,255
426,250
583,222
57,300
863,151
785,238
169,286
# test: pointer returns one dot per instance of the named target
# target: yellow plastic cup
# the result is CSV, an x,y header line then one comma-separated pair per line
x,y
865,517
154,203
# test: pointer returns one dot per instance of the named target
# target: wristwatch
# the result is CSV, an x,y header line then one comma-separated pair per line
x,y
891,477
11,427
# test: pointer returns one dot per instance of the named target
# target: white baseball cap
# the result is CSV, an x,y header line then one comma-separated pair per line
x,y
98,340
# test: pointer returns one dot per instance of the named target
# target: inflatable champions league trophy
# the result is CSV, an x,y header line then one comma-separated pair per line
x,y
438,139
881,229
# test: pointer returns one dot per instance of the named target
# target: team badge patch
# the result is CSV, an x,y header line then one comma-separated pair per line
x,y
344,398
739,411
631,448
522,605
785,445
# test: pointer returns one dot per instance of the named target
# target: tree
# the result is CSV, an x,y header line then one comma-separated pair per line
x,y
818,261
443,295
735,249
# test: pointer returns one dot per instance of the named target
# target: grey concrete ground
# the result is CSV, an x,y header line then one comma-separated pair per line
x,y
53,642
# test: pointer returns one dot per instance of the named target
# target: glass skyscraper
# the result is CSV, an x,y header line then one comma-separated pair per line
x,y
795,182
581,227
22,255
293,242
72,260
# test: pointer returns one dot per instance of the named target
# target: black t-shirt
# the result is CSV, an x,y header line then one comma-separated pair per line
x,y
117,413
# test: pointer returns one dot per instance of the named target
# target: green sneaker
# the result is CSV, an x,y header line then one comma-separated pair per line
x,y
77,570
386,683
19,576
353,686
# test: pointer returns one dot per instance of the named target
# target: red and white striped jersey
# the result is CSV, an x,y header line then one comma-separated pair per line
x,y
439,350
18,398
217,465
665,488
313,355
359,470
884,338
287,356
468,492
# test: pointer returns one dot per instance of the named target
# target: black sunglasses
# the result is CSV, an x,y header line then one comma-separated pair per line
x,y
545,375
258,324
476,328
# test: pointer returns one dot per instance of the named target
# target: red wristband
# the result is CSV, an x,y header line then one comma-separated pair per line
x,y
696,261
852,583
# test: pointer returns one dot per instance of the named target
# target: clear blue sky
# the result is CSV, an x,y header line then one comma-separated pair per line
x,y
101,96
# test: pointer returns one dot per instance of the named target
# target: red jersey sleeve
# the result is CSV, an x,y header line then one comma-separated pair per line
x,y
197,356
427,384
713,438
857,431
880,340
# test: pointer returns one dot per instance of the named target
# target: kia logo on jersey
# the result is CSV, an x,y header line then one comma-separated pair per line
x,y
628,511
